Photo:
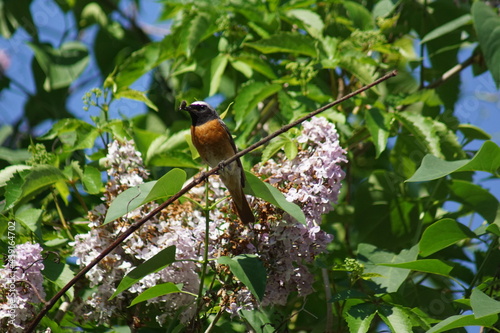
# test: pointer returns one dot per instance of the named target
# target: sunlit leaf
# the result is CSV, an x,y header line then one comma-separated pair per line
x,y
487,23
447,28
460,321
486,159
286,42
273,195
442,234
156,291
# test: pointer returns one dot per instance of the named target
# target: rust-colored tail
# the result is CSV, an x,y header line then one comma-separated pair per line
x,y
242,206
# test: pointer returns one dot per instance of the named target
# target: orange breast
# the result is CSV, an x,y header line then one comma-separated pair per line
x,y
212,142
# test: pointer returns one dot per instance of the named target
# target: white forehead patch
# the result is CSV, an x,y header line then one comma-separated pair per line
x,y
200,103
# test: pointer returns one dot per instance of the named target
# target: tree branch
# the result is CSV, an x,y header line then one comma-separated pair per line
x,y
135,226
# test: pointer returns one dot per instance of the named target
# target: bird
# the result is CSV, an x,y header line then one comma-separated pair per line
x,y
214,143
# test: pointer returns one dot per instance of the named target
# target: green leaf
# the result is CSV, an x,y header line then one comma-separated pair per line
x,y
460,321
472,132
442,234
137,96
217,68
14,156
248,268
128,200
272,195
156,291
40,177
61,66
487,24
192,31
140,62
476,197
486,159
256,64
286,42
395,318
423,129
359,15
92,180
378,124
391,277
313,23
168,185
250,95
154,264
259,320
360,316
9,172
447,28
483,305
433,266
348,294
59,273
74,133
31,219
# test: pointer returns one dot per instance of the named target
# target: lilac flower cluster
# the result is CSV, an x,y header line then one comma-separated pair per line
x,y
313,181
313,178
21,287
182,229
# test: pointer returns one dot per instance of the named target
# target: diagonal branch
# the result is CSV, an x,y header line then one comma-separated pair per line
x,y
135,226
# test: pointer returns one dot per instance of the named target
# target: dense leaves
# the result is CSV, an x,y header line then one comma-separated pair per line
x,y
415,230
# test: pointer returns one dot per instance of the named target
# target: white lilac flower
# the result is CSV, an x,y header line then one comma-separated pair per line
x,y
21,286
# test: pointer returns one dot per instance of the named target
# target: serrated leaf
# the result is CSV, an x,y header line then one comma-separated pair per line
x,y
286,42
154,264
433,266
9,172
250,95
487,24
483,305
359,15
447,28
92,181
156,291
136,96
249,269
442,234
272,195
74,133
423,130
38,178
460,321
486,159
378,124
193,28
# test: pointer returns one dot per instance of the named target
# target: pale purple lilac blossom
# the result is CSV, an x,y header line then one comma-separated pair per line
x,y
26,266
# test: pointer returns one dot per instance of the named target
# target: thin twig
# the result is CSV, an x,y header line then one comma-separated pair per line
x,y
451,72
135,226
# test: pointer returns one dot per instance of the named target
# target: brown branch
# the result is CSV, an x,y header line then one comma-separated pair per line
x,y
451,72
135,226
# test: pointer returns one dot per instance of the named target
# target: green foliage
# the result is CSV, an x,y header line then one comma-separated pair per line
x,y
402,258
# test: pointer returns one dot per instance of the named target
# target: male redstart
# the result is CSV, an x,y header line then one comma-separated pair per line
x,y
214,143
